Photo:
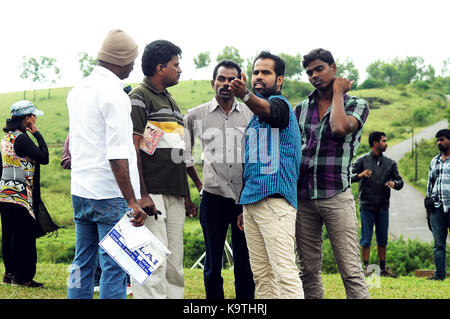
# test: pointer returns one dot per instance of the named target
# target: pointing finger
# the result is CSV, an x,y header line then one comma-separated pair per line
x,y
243,77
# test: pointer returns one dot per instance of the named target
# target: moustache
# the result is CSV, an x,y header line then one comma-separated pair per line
x,y
259,83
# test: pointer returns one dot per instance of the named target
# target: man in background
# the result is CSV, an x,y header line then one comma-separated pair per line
x,y
377,175
438,202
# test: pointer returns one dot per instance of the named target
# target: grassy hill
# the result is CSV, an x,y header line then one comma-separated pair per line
x,y
393,110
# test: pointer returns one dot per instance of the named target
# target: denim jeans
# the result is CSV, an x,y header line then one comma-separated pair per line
x,y
379,218
216,214
440,222
93,220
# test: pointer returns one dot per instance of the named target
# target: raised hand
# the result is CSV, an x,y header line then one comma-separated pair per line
x,y
342,85
238,86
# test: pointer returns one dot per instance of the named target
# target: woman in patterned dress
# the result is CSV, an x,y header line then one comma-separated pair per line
x,y
20,193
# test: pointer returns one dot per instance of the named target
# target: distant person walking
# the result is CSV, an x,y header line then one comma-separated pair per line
x,y
438,202
377,175
331,124
20,195
219,124
158,139
104,176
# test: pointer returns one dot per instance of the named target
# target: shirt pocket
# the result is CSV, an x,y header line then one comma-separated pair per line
x,y
209,176
238,136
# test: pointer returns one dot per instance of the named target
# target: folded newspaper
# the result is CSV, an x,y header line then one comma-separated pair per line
x,y
135,249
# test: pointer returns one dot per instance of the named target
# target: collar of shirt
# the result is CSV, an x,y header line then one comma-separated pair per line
x,y
102,71
215,105
314,96
147,83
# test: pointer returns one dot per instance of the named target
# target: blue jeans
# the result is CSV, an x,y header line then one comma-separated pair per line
x,y
93,220
440,223
216,214
378,218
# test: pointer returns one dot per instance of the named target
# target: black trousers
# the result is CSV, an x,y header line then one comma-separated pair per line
x,y
18,242
216,214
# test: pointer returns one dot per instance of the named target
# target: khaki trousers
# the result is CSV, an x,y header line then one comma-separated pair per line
x,y
269,227
167,282
339,216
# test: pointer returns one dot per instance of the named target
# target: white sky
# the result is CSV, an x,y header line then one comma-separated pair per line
x,y
361,30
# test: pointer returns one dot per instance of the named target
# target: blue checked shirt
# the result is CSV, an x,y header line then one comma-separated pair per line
x,y
272,159
438,186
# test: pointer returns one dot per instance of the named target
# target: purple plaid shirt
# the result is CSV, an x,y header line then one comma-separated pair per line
x,y
326,159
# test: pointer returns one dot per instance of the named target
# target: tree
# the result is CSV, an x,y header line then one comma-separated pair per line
x,y
400,71
347,69
31,69
38,70
202,60
50,70
230,53
294,66
445,67
87,63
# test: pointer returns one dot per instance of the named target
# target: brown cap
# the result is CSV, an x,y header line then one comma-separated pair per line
x,y
118,48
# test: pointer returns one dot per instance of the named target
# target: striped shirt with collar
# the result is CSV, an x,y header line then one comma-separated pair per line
x,y
221,138
164,172
326,159
438,186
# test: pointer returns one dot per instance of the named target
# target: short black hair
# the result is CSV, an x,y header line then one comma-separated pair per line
x,y
443,133
280,65
227,64
318,54
158,52
375,137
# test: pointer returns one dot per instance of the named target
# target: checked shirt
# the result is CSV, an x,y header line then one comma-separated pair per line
x,y
326,159
439,182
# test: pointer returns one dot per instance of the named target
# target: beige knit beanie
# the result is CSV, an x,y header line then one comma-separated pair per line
x,y
118,48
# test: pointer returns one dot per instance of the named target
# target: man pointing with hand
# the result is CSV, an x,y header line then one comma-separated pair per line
x,y
271,168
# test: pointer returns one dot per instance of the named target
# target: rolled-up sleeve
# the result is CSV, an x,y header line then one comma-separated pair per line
x,y
189,139
359,109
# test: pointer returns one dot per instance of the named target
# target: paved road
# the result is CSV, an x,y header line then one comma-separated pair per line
x,y
406,212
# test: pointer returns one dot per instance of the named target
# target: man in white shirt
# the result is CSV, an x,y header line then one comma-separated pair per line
x,y
104,177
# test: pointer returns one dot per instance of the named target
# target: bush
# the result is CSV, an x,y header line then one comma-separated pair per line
x,y
296,90
402,256
194,246
372,84
420,114
421,85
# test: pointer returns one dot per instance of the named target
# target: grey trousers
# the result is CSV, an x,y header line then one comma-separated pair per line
x,y
338,214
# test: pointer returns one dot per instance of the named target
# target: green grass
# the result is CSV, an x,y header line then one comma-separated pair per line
x,y
54,276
